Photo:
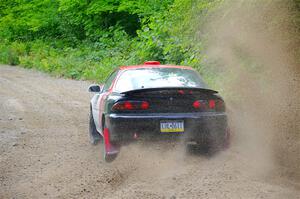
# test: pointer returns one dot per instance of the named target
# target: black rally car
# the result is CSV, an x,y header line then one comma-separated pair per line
x,y
154,101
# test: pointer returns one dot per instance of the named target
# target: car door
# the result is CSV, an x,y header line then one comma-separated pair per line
x,y
103,96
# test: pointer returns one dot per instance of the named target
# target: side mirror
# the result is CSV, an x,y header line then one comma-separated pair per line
x,y
95,88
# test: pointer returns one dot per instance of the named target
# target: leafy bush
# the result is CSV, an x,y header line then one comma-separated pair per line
x,y
88,39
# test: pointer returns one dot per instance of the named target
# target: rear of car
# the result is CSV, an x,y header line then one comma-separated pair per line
x,y
165,103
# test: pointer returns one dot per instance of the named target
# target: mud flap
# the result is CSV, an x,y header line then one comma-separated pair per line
x,y
110,151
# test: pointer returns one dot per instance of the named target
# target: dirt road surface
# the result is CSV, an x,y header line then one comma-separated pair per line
x,y
45,153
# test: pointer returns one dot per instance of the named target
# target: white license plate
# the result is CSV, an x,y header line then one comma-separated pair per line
x,y
171,126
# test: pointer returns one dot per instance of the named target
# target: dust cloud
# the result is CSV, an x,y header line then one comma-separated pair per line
x,y
254,46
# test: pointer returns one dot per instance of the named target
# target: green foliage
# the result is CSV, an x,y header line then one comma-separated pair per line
x,y
27,19
87,39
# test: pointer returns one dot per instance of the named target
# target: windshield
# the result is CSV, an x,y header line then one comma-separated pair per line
x,y
157,78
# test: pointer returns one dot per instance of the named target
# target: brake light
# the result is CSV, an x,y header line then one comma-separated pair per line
x,y
217,105
196,104
130,105
181,92
212,104
144,105
220,106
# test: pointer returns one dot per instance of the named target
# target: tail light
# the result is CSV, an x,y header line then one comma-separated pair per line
x,y
130,105
220,105
144,105
200,104
196,104
210,105
181,92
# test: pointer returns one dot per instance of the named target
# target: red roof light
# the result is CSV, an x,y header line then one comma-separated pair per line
x,y
152,63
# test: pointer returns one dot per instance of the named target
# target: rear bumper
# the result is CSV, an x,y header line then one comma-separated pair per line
x,y
198,127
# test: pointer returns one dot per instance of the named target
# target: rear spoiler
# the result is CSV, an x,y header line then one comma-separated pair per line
x,y
169,88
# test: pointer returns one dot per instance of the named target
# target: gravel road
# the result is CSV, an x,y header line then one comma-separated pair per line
x,y
45,153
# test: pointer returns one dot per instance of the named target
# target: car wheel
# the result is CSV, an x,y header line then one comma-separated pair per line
x,y
94,135
198,149
216,144
208,147
227,140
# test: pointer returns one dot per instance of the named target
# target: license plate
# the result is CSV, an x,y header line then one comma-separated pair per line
x,y
171,126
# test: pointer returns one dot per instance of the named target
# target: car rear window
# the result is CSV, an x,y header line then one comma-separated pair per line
x,y
158,77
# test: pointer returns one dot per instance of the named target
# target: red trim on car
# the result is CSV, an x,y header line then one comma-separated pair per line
x,y
154,66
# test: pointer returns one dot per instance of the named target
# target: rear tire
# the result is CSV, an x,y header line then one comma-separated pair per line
x,y
217,144
213,146
198,149
227,141
94,135
209,146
